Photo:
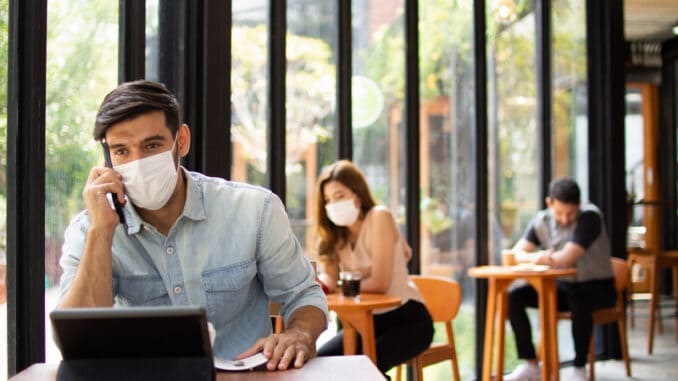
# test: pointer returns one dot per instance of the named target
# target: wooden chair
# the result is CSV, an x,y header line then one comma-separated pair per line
x,y
277,320
611,315
442,298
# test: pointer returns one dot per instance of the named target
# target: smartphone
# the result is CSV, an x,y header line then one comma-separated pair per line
x,y
116,203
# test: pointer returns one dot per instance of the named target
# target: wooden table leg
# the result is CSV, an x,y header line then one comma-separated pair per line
x,y
546,290
552,312
350,342
489,329
359,322
502,303
653,303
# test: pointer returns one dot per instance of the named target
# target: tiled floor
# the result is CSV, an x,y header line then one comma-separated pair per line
x,y
661,365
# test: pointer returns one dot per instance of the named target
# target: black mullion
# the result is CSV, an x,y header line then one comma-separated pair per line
x,y
169,51
543,41
277,67
604,52
26,183
192,79
482,237
343,124
132,35
412,130
668,123
216,137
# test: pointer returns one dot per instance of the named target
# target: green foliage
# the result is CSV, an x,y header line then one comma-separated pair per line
x,y
310,90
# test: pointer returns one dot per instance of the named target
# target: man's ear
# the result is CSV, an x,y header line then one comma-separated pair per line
x,y
184,140
549,201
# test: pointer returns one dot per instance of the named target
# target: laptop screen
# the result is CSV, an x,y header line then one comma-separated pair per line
x,y
86,333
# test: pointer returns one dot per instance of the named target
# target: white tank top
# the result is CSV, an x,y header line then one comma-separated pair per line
x,y
360,259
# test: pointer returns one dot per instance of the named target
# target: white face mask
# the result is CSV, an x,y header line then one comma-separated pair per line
x,y
150,182
342,213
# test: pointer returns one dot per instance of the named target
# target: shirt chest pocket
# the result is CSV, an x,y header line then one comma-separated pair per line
x,y
143,290
227,290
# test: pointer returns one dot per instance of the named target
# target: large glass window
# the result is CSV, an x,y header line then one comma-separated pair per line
x,y
4,61
569,129
448,166
377,99
249,81
152,52
82,61
513,183
311,94
512,146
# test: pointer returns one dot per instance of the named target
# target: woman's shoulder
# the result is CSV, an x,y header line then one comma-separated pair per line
x,y
380,218
379,213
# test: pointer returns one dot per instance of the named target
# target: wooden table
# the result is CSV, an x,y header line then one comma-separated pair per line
x,y
319,368
544,282
654,261
356,317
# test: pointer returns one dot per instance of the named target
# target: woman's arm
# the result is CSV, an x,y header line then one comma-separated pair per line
x,y
381,243
328,272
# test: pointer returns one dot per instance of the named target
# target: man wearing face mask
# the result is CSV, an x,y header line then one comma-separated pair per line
x,y
573,236
188,239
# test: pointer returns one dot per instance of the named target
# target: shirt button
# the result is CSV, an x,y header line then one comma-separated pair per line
x,y
177,290
170,250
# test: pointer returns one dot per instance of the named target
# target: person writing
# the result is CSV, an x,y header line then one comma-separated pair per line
x,y
574,236
188,239
354,234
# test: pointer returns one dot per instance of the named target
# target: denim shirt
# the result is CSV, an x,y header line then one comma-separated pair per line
x,y
231,251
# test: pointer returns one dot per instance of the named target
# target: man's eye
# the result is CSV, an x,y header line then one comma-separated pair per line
x,y
119,151
152,146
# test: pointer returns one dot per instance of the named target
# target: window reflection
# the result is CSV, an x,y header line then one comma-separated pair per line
x,y
310,105
378,126
249,36
570,123
82,61
448,165
512,131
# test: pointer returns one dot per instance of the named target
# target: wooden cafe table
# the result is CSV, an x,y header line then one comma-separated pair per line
x,y
544,282
319,368
356,317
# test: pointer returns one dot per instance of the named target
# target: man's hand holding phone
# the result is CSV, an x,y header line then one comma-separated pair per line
x,y
100,182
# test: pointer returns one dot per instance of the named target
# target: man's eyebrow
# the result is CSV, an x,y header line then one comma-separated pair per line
x,y
152,138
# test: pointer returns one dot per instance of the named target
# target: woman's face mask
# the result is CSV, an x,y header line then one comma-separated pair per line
x,y
150,182
342,213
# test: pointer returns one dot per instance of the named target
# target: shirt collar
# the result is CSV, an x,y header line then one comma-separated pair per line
x,y
194,208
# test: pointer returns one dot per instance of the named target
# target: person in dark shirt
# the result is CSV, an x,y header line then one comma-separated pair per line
x,y
570,235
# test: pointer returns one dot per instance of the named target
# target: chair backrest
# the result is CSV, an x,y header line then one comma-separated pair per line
x,y
621,278
621,274
442,296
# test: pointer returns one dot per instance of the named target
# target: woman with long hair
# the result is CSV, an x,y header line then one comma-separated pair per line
x,y
356,234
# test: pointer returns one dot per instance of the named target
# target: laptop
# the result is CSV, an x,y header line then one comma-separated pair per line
x,y
131,332
133,343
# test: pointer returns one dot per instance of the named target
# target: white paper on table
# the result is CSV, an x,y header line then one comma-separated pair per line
x,y
243,364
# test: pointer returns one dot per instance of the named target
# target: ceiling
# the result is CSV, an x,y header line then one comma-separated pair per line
x,y
650,19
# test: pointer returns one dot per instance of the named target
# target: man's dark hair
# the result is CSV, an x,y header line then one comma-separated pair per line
x,y
132,99
565,190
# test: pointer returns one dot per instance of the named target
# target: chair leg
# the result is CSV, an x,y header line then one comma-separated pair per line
x,y
399,369
592,358
455,360
417,369
621,323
